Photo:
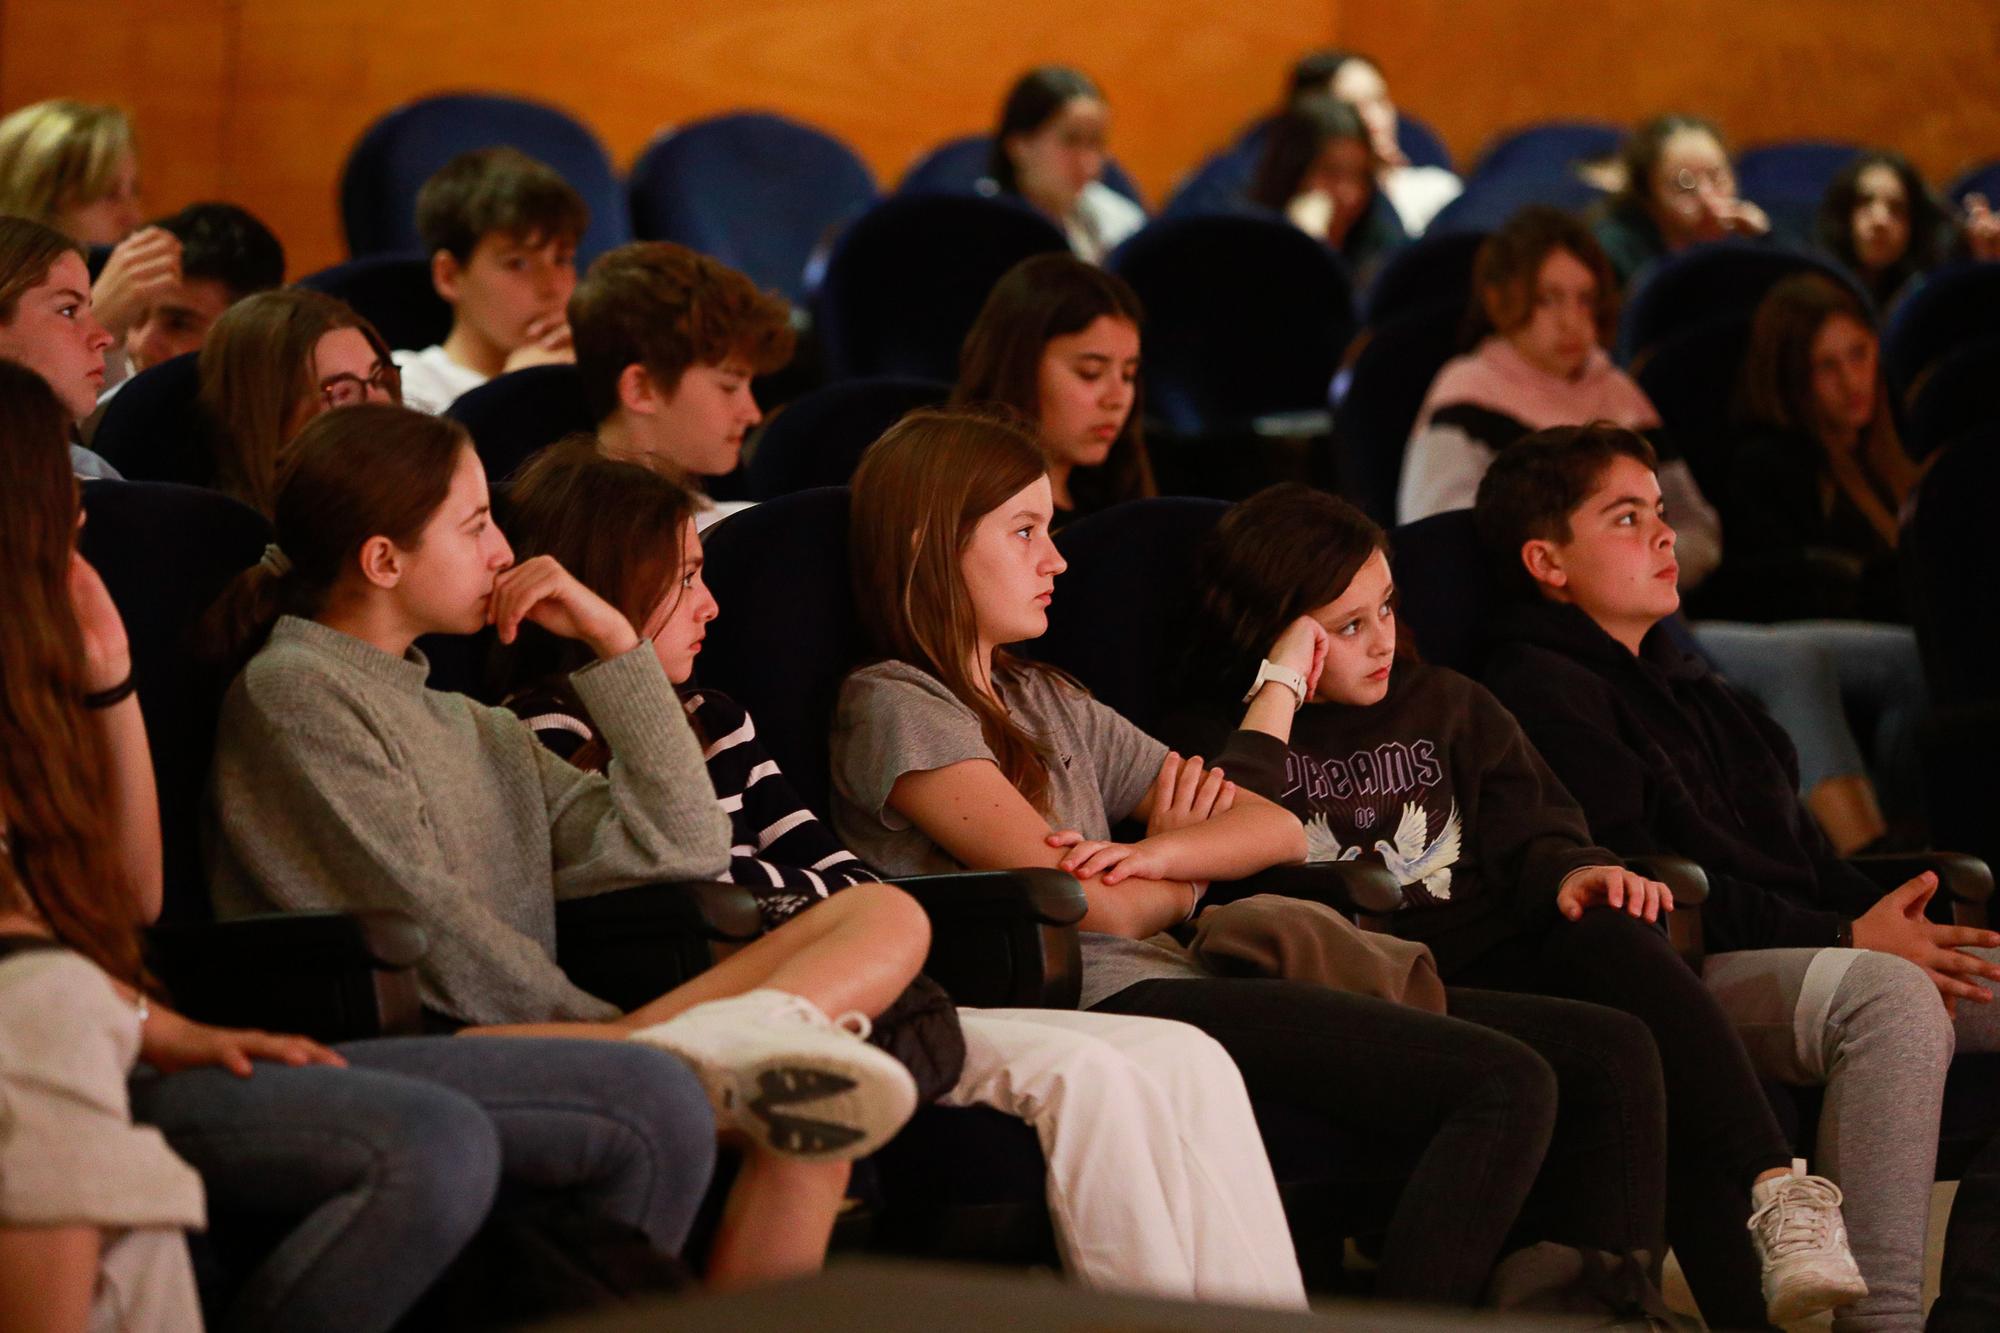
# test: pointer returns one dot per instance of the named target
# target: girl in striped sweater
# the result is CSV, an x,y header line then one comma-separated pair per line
x,y
1157,1181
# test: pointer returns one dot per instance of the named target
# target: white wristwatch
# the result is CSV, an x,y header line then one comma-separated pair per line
x,y
1285,676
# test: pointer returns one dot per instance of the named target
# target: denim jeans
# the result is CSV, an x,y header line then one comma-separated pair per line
x,y
382,1172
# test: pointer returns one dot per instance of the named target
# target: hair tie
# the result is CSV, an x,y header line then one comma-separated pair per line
x,y
276,561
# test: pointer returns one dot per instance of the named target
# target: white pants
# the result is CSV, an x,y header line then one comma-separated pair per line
x,y
1158,1182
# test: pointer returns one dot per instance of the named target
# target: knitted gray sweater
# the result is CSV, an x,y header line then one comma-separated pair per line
x,y
342,782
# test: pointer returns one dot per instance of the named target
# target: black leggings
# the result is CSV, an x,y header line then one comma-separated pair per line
x,y
1721,1133
1481,1104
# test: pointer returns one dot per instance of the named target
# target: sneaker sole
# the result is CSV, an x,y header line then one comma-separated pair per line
x,y
824,1110
1805,1302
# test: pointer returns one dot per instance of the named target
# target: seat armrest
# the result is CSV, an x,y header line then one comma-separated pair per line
x,y
333,976
1352,888
634,945
1688,883
1004,938
1966,880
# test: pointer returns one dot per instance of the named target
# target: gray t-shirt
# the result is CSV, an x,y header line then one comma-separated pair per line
x,y
894,718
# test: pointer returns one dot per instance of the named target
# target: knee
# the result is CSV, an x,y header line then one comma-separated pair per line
x,y
891,915
1517,1080
1893,997
439,1167
1621,1050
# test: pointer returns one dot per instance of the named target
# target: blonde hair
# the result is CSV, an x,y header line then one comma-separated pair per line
x,y
60,153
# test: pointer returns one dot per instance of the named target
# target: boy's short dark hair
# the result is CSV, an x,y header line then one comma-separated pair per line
x,y
665,307
502,190
1536,483
226,244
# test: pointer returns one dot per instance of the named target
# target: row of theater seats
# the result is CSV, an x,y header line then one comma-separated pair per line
x,y
958,1183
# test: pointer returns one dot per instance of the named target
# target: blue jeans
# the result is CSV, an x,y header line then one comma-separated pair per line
x,y
1819,678
384,1170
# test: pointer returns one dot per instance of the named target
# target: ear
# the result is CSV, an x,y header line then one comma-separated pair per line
x,y
445,272
1543,561
380,562
638,393
1493,299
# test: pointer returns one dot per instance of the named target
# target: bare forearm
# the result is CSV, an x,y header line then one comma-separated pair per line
x,y
1136,908
1239,842
48,1276
1271,712
135,806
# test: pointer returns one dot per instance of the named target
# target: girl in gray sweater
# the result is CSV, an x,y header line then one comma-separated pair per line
x,y
342,782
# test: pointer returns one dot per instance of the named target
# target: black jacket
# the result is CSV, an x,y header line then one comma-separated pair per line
x,y
1665,757
1810,554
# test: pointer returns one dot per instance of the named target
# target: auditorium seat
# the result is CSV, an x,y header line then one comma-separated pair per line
x,y
1788,180
154,429
758,191
959,166
392,292
818,438
394,157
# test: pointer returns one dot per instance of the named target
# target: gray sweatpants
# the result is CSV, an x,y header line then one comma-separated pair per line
x,y
1872,1029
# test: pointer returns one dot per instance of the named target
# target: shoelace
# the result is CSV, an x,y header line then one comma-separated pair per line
x,y
805,1011
1799,1216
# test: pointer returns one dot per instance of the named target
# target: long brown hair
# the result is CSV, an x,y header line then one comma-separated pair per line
x,y
1776,392
920,491
371,470
1279,555
256,376
615,526
1510,262
54,765
1039,299
28,250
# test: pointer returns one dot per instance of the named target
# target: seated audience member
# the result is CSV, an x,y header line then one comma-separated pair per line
x,y
1678,189
226,255
342,782
667,344
1112,1097
1048,151
501,230
47,325
1058,343
1319,170
73,166
381,1171
952,753
1665,757
272,363
1416,193
1296,589
1819,479
1542,305
1881,219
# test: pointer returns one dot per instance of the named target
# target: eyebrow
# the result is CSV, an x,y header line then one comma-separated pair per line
x,y
70,294
1621,502
480,512
1035,515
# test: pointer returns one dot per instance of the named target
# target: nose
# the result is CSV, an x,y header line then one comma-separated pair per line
x,y
503,553
707,608
752,414
1052,562
96,336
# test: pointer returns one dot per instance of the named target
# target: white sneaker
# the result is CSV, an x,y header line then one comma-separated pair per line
x,y
776,1068
1801,1241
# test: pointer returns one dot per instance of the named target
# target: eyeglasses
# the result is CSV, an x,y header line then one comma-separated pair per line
x,y
346,390
1719,179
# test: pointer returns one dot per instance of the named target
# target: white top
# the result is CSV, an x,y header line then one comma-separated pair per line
x,y
1101,219
1418,194
433,381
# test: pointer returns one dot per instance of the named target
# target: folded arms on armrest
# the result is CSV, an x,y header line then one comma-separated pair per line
x,y
333,976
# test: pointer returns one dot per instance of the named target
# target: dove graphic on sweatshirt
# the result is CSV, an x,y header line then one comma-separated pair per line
x,y
1412,859
1322,845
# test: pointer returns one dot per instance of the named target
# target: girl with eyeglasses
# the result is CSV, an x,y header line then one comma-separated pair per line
x,y
1679,190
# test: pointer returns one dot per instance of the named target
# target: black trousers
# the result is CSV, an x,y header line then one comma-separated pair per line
x,y
1721,1133
1471,1095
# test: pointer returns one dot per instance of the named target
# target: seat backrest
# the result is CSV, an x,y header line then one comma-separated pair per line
x,y
1489,201
755,190
1706,282
398,153
1957,395
1245,316
1983,179
907,280
513,415
957,166
392,292
166,553
1549,150
1445,588
1955,305
1691,375
787,633
818,438
1788,180
1432,274
1387,381
1950,567
1420,143
1218,184
154,428
1117,620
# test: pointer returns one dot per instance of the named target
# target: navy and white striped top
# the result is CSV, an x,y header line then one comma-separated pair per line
x,y
780,850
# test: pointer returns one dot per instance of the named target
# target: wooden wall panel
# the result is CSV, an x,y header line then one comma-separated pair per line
x,y
258,99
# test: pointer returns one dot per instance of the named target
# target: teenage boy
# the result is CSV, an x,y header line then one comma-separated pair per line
x,y
226,255
1805,953
667,343
501,229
